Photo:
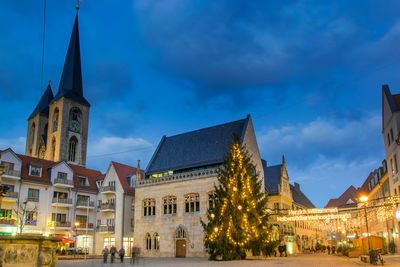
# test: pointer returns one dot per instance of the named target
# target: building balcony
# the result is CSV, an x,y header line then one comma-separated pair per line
x,y
32,199
82,226
82,204
60,225
65,183
8,221
10,197
62,202
12,174
107,207
110,189
105,229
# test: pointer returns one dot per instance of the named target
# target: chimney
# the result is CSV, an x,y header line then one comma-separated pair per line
x,y
297,186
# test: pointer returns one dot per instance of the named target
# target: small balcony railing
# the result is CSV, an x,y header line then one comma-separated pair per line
x,y
32,199
61,181
108,188
66,201
105,228
107,206
61,224
7,221
82,225
13,173
84,203
11,195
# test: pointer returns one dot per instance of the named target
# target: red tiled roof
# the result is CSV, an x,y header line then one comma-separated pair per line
x,y
123,171
45,164
341,201
331,203
90,174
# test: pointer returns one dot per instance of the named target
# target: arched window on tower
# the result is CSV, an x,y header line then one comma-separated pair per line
x,y
73,146
148,241
75,116
53,149
55,119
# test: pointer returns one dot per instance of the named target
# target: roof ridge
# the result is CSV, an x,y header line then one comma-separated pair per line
x,y
205,128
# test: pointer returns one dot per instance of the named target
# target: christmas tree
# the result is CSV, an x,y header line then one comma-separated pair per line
x,y
238,219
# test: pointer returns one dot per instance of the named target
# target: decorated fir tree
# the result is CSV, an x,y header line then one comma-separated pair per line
x,y
238,220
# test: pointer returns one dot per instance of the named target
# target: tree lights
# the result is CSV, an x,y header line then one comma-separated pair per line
x,y
237,221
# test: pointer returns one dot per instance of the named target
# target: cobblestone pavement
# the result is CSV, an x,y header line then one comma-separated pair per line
x,y
318,260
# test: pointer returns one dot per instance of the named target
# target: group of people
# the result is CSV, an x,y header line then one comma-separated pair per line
x,y
375,256
282,249
121,253
333,249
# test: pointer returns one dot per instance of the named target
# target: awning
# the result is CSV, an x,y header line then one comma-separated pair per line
x,y
67,240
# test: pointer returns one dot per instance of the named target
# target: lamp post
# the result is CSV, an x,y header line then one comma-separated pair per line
x,y
364,199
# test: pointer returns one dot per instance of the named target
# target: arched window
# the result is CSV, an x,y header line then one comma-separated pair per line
x,y
53,149
148,241
73,145
169,204
180,233
55,120
75,115
149,207
156,238
192,202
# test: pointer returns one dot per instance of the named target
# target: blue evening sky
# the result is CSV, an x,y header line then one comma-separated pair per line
x,y
309,73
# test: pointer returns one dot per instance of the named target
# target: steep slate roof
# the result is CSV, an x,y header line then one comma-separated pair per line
x,y
123,171
198,148
299,197
341,202
272,177
71,78
43,105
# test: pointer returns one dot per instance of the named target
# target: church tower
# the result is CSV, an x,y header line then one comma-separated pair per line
x,y
68,119
36,139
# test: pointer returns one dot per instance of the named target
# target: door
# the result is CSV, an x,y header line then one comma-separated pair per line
x,y
180,248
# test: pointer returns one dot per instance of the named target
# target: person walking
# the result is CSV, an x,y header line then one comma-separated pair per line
x,y
333,249
121,254
113,250
329,249
105,254
285,249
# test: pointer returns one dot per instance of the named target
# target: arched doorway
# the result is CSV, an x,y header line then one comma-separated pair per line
x,y
180,242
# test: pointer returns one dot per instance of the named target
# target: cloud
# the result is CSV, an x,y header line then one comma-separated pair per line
x,y
125,150
16,144
329,151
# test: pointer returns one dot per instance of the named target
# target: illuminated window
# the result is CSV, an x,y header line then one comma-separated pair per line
x,y
156,238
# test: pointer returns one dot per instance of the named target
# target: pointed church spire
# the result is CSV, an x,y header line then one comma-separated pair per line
x,y
43,105
283,160
71,79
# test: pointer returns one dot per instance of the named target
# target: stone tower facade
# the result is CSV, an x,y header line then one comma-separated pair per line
x,y
58,127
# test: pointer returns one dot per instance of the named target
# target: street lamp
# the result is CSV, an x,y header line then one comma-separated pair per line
x,y
364,199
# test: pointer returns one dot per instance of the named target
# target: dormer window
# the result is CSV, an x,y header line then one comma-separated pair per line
x,y
82,180
99,183
131,179
35,170
62,175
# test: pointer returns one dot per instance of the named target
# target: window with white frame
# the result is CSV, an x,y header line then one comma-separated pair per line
x,y
62,175
149,207
35,170
192,202
169,205
211,200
